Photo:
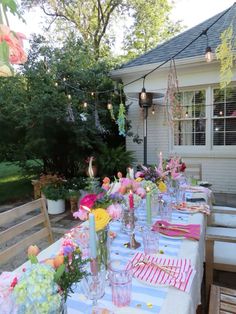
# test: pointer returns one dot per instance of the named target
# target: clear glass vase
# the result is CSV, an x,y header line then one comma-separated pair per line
x,y
103,248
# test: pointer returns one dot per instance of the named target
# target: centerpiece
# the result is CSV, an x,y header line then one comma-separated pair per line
x,y
43,287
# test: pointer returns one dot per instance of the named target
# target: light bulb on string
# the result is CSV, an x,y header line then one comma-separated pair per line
x,y
153,111
64,79
109,105
85,104
92,94
208,52
56,84
69,96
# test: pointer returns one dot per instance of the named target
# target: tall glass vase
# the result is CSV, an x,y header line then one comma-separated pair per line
x,y
103,247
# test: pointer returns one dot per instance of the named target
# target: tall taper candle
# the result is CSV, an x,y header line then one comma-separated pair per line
x,y
148,207
131,201
92,236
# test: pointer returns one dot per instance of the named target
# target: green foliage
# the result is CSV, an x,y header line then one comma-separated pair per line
x,y
95,21
225,54
55,192
71,272
151,26
112,160
13,186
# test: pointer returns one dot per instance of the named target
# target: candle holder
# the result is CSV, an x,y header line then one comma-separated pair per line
x,y
132,244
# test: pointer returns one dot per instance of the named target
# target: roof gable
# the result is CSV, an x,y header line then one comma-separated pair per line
x,y
169,48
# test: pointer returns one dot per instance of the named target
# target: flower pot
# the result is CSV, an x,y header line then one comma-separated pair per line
x,y
56,207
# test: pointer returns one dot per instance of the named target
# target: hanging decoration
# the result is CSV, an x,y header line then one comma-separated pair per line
x,y
225,54
172,105
70,114
11,43
121,120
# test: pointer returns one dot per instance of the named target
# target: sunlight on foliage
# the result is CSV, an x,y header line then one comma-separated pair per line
x,y
224,54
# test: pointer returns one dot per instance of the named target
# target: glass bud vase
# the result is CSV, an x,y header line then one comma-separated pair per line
x,y
103,248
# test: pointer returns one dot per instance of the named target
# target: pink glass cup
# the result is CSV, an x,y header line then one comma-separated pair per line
x,y
121,283
150,241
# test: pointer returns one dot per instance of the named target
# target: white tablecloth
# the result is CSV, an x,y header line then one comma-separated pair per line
x,y
148,299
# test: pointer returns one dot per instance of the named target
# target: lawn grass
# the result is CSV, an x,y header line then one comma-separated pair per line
x,y
14,186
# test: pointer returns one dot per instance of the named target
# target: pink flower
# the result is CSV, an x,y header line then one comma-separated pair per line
x,y
115,211
139,174
88,200
82,214
141,192
15,44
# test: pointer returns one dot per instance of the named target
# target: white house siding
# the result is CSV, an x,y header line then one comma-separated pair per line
x,y
218,163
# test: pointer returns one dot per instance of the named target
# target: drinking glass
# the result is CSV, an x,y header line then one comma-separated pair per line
x,y
155,204
121,283
93,286
150,241
166,210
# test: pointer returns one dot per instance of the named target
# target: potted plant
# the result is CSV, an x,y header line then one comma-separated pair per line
x,y
56,195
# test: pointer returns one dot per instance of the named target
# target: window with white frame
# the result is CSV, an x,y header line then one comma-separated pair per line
x,y
224,116
190,127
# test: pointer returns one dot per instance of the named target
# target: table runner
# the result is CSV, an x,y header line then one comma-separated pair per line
x,y
146,299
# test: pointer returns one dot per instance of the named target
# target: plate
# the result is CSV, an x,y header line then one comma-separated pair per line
x,y
172,237
187,211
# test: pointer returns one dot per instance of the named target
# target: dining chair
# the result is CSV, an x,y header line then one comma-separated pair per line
x,y
222,300
220,247
23,226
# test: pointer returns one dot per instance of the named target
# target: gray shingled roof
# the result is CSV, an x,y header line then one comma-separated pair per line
x,y
169,48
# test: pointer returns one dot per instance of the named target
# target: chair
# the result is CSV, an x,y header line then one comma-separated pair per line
x,y
22,226
222,300
194,171
220,248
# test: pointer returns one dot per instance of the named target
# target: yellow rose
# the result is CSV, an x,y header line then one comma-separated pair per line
x,y
162,187
101,217
139,179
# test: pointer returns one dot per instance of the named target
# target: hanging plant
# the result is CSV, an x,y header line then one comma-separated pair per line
x,y
224,53
121,120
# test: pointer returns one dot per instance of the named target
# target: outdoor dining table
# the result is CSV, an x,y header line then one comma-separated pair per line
x,y
147,299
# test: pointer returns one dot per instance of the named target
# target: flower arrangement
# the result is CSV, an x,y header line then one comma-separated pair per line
x,y
42,286
151,178
11,43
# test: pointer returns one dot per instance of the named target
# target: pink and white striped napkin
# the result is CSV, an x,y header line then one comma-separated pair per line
x,y
181,276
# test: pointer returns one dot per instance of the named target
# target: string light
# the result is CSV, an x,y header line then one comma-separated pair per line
x,y
143,94
109,105
153,111
69,96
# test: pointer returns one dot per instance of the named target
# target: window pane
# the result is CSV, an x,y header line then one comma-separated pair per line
x,y
200,125
231,109
230,138
231,124
218,138
218,125
218,95
218,110
200,139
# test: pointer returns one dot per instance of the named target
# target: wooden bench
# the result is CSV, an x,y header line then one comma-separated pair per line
x,y
22,226
222,300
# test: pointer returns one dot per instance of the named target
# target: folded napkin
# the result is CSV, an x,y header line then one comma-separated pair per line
x,y
190,208
162,271
176,230
205,190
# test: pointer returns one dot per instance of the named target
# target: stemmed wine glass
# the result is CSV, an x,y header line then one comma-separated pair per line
x,y
93,287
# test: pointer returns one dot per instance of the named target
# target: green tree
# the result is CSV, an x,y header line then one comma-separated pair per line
x,y
151,26
93,21
43,115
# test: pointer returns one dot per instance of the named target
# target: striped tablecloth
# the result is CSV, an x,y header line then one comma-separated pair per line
x,y
147,299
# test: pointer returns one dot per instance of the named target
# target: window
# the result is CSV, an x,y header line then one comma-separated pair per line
x,y
190,128
224,116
